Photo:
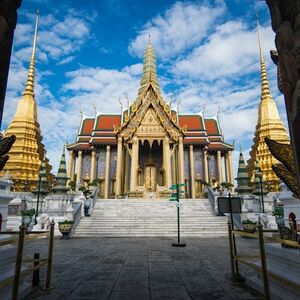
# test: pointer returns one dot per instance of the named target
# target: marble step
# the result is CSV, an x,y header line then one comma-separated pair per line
x,y
142,235
150,218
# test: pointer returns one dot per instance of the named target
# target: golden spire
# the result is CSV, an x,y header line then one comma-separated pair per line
x,y
265,90
29,89
268,125
149,68
28,151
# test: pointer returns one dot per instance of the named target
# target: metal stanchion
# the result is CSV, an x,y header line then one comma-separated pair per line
x,y
263,261
16,282
36,273
231,249
50,254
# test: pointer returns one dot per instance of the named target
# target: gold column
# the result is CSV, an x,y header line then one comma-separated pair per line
x,y
107,169
71,165
181,162
219,165
174,169
230,167
227,167
79,167
167,164
119,167
192,175
93,167
126,176
134,163
205,166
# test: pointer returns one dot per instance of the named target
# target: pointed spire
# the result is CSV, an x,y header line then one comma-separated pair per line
x,y
43,190
242,176
62,177
149,68
265,90
29,89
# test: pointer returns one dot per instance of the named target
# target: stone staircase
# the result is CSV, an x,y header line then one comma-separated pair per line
x,y
151,218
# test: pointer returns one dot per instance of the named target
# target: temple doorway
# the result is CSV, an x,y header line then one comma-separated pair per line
x,y
150,165
150,178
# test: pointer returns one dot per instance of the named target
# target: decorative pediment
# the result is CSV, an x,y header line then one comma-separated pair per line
x,y
151,118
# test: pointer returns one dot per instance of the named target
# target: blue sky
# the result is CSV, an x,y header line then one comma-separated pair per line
x,y
91,52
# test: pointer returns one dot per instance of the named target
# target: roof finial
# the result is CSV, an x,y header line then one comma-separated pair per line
x,y
149,39
149,69
29,89
261,52
265,91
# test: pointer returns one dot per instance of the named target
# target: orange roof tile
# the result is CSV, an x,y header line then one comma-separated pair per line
x,y
193,122
87,127
107,122
211,127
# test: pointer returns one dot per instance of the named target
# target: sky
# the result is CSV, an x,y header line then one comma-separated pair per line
x,y
89,53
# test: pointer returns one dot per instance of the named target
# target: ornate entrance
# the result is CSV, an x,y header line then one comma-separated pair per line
x,y
150,178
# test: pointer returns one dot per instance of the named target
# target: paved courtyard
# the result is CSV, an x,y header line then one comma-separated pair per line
x,y
141,268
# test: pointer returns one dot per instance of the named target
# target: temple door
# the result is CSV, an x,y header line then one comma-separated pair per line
x,y
150,178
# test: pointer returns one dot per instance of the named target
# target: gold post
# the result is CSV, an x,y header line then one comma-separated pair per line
x,y
50,255
119,167
231,249
205,166
192,172
79,168
263,261
15,288
93,165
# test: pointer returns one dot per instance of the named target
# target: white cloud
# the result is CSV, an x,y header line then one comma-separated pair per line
x,y
179,28
230,51
57,38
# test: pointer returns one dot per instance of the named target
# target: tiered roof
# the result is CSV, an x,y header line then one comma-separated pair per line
x,y
104,129
200,131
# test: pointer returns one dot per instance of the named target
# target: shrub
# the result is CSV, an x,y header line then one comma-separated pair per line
x,y
29,212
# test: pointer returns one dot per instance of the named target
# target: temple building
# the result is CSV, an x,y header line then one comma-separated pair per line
x,y
268,125
149,147
28,151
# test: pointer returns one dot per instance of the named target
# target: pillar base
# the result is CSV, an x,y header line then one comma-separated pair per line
x,y
178,245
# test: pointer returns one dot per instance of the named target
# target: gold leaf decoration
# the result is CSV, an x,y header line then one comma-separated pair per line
x,y
282,152
287,177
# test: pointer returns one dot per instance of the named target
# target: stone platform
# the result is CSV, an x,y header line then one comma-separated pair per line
x,y
142,269
150,218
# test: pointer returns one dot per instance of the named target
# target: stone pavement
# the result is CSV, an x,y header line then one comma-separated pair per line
x,y
142,268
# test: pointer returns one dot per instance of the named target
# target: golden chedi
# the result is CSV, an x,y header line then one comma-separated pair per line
x,y
268,125
27,152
